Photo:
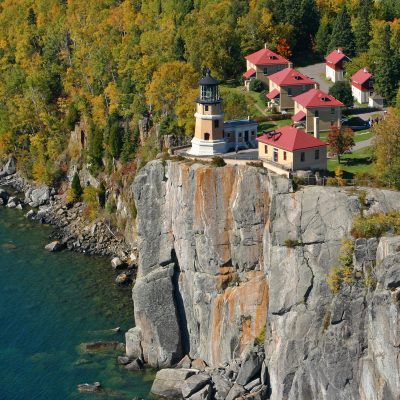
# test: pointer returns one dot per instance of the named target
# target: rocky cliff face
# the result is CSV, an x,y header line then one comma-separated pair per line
x,y
216,267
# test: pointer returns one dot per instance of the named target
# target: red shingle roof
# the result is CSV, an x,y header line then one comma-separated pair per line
x,y
316,98
249,73
299,116
290,76
291,139
335,57
274,93
266,57
361,76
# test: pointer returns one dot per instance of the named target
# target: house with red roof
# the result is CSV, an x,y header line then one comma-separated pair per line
x,y
334,65
263,63
362,85
286,84
317,110
289,149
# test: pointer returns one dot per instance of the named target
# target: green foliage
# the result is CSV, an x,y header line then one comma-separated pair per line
x,y
362,31
375,225
260,339
218,161
323,36
96,150
343,273
130,145
340,141
342,34
75,193
115,139
72,117
257,86
342,91
102,194
235,105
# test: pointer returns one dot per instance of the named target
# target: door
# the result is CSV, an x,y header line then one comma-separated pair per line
x,y
246,136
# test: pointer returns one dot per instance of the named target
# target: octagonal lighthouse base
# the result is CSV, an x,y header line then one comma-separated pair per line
x,y
208,147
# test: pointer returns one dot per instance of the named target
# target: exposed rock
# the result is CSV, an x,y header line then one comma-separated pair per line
x,y
123,360
133,345
249,369
199,364
102,346
168,382
89,387
9,168
203,394
3,196
135,365
54,246
235,392
194,383
387,246
117,263
186,362
222,386
251,385
123,279
12,202
36,197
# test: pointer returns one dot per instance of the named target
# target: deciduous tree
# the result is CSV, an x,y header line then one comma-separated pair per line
x,y
340,141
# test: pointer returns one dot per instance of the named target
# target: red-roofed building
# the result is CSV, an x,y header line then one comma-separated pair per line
x,y
263,63
334,64
362,85
290,149
286,84
316,107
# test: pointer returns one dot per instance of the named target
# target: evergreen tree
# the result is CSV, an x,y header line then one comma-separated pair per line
x,y
130,145
323,36
386,73
95,151
76,188
342,92
362,31
342,34
115,140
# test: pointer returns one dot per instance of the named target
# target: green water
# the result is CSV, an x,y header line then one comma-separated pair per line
x,y
49,304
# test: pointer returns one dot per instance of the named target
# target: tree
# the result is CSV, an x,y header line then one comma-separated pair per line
x,y
76,191
323,36
398,101
235,105
115,140
283,48
340,141
362,31
386,149
361,61
342,92
342,34
257,86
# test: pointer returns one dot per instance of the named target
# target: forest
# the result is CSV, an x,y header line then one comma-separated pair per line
x,y
109,61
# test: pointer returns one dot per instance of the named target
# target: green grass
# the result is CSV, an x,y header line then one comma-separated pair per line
x,y
271,125
358,136
351,164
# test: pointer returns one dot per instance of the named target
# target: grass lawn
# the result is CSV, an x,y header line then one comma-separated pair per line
x,y
271,125
356,162
358,136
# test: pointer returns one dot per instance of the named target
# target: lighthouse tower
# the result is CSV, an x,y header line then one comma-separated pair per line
x,y
209,132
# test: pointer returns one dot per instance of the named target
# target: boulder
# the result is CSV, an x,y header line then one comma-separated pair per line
x,y
194,383
89,387
116,263
54,246
249,369
203,394
135,365
222,386
169,382
235,392
253,384
101,346
3,196
186,362
39,196
133,346
9,168
123,360
199,364
12,202
123,279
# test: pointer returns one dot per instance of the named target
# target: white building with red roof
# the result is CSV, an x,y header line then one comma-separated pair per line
x,y
362,85
263,63
334,64
317,110
286,84
289,149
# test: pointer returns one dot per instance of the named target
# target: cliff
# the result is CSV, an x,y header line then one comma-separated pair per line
x,y
226,252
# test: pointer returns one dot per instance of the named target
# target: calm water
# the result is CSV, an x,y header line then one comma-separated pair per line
x,y
49,304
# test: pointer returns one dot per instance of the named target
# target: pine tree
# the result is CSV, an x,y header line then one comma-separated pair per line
x,y
386,74
362,31
76,189
323,36
342,34
115,140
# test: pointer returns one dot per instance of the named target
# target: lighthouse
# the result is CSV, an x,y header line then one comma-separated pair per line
x,y
209,131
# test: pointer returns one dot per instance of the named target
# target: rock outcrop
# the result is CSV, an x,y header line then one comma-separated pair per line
x,y
226,252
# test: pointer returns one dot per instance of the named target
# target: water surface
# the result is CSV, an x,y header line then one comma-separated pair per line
x,y
49,304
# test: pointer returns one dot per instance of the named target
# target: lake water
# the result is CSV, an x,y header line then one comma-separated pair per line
x,y
49,304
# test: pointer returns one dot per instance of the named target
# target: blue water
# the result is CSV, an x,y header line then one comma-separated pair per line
x,y
49,304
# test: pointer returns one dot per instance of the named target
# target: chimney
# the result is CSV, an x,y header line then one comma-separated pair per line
x,y
290,65
316,127
265,45
366,69
316,85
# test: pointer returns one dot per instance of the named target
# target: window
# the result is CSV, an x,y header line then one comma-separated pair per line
x,y
206,136
205,108
240,134
317,154
332,110
289,91
332,122
302,156
265,71
276,158
253,133
265,149
216,123
316,113
284,155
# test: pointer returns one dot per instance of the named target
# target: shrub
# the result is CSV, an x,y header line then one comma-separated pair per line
x,y
331,181
218,161
290,243
75,192
260,339
257,164
375,225
297,181
257,86
272,117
